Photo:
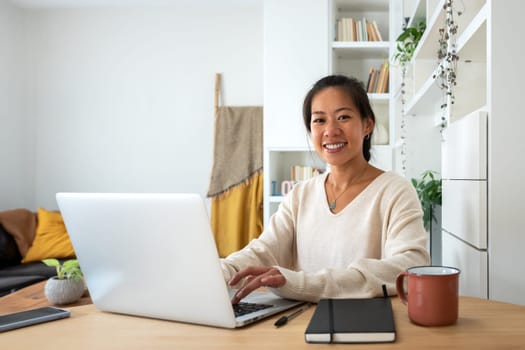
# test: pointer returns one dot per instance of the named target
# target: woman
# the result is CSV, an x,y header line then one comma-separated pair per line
x,y
342,234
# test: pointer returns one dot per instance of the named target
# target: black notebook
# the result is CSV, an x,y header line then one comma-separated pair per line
x,y
352,321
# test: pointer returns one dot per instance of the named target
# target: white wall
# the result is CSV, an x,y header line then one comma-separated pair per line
x,y
16,131
123,96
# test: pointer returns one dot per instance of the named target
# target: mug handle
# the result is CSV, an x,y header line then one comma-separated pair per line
x,y
400,287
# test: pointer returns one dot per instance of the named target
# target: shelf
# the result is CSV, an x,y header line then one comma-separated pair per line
x,y
475,12
366,46
471,45
424,90
379,97
429,94
471,88
361,49
276,199
427,45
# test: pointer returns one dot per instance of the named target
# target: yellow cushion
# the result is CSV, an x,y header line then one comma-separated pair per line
x,y
51,239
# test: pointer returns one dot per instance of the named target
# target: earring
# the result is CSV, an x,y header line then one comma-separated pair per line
x,y
367,136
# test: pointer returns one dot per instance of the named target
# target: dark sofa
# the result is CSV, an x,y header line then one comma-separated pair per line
x,y
13,274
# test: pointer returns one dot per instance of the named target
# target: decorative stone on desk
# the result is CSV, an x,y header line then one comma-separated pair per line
x,y
63,291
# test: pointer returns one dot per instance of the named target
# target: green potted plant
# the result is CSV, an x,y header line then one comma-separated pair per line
x,y
407,42
428,189
68,285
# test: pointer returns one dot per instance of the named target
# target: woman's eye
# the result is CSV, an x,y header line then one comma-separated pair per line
x,y
343,117
317,120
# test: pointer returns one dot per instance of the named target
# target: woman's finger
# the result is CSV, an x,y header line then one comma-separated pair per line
x,y
271,278
247,272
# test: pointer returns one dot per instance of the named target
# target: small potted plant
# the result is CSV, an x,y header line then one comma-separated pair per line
x,y
428,189
407,43
67,286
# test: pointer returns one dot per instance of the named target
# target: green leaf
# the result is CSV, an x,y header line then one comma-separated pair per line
x,y
403,36
70,269
51,262
70,264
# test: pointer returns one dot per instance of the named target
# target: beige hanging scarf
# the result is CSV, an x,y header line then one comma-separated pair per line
x,y
238,142
236,181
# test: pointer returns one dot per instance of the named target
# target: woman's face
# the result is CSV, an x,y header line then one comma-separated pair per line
x,y
337,129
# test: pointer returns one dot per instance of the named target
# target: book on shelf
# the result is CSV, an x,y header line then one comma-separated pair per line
x,y
376,31
384,76
370,71
352,321
371,33
350,29
378,79
372,80
353,31
358,27
364,31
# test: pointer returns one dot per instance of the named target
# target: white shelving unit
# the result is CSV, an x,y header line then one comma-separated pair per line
x,y
482,191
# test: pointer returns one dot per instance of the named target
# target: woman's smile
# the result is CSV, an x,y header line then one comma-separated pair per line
x,y
334,147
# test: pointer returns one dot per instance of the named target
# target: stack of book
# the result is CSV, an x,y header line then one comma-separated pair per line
x,y
301,173
349,29
378,79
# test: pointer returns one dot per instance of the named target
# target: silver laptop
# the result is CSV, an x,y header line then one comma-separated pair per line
x,y
154,255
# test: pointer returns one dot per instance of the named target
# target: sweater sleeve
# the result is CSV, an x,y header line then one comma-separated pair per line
x,y
403,245
274,247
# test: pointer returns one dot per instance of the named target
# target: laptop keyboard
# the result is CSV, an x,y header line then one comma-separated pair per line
x,y
246,308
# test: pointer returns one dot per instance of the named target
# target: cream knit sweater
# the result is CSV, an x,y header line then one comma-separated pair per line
x,y
350,254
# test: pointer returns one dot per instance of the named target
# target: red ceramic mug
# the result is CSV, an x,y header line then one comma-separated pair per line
x,y
432,298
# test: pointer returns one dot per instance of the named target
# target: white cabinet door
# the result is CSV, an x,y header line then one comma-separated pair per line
x,y
464,210
472,262
464,151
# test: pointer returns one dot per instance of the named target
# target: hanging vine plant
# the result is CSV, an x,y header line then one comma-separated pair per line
x,y
447,57
407,43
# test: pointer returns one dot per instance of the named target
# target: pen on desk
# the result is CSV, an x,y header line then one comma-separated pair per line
x,y
385,293
283,320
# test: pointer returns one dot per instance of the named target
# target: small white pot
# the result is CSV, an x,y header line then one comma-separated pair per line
x,y
65,291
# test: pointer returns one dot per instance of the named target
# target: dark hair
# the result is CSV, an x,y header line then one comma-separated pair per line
x,y
355,89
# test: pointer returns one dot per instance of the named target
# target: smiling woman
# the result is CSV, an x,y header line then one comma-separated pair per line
x,y
342,234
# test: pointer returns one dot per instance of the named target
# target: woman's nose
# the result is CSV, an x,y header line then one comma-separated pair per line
x,y
332,129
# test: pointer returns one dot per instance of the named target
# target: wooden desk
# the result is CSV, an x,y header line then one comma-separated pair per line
x,y
483,324
31,297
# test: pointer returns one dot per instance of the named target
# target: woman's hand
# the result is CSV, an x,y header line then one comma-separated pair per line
x,y
256,277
